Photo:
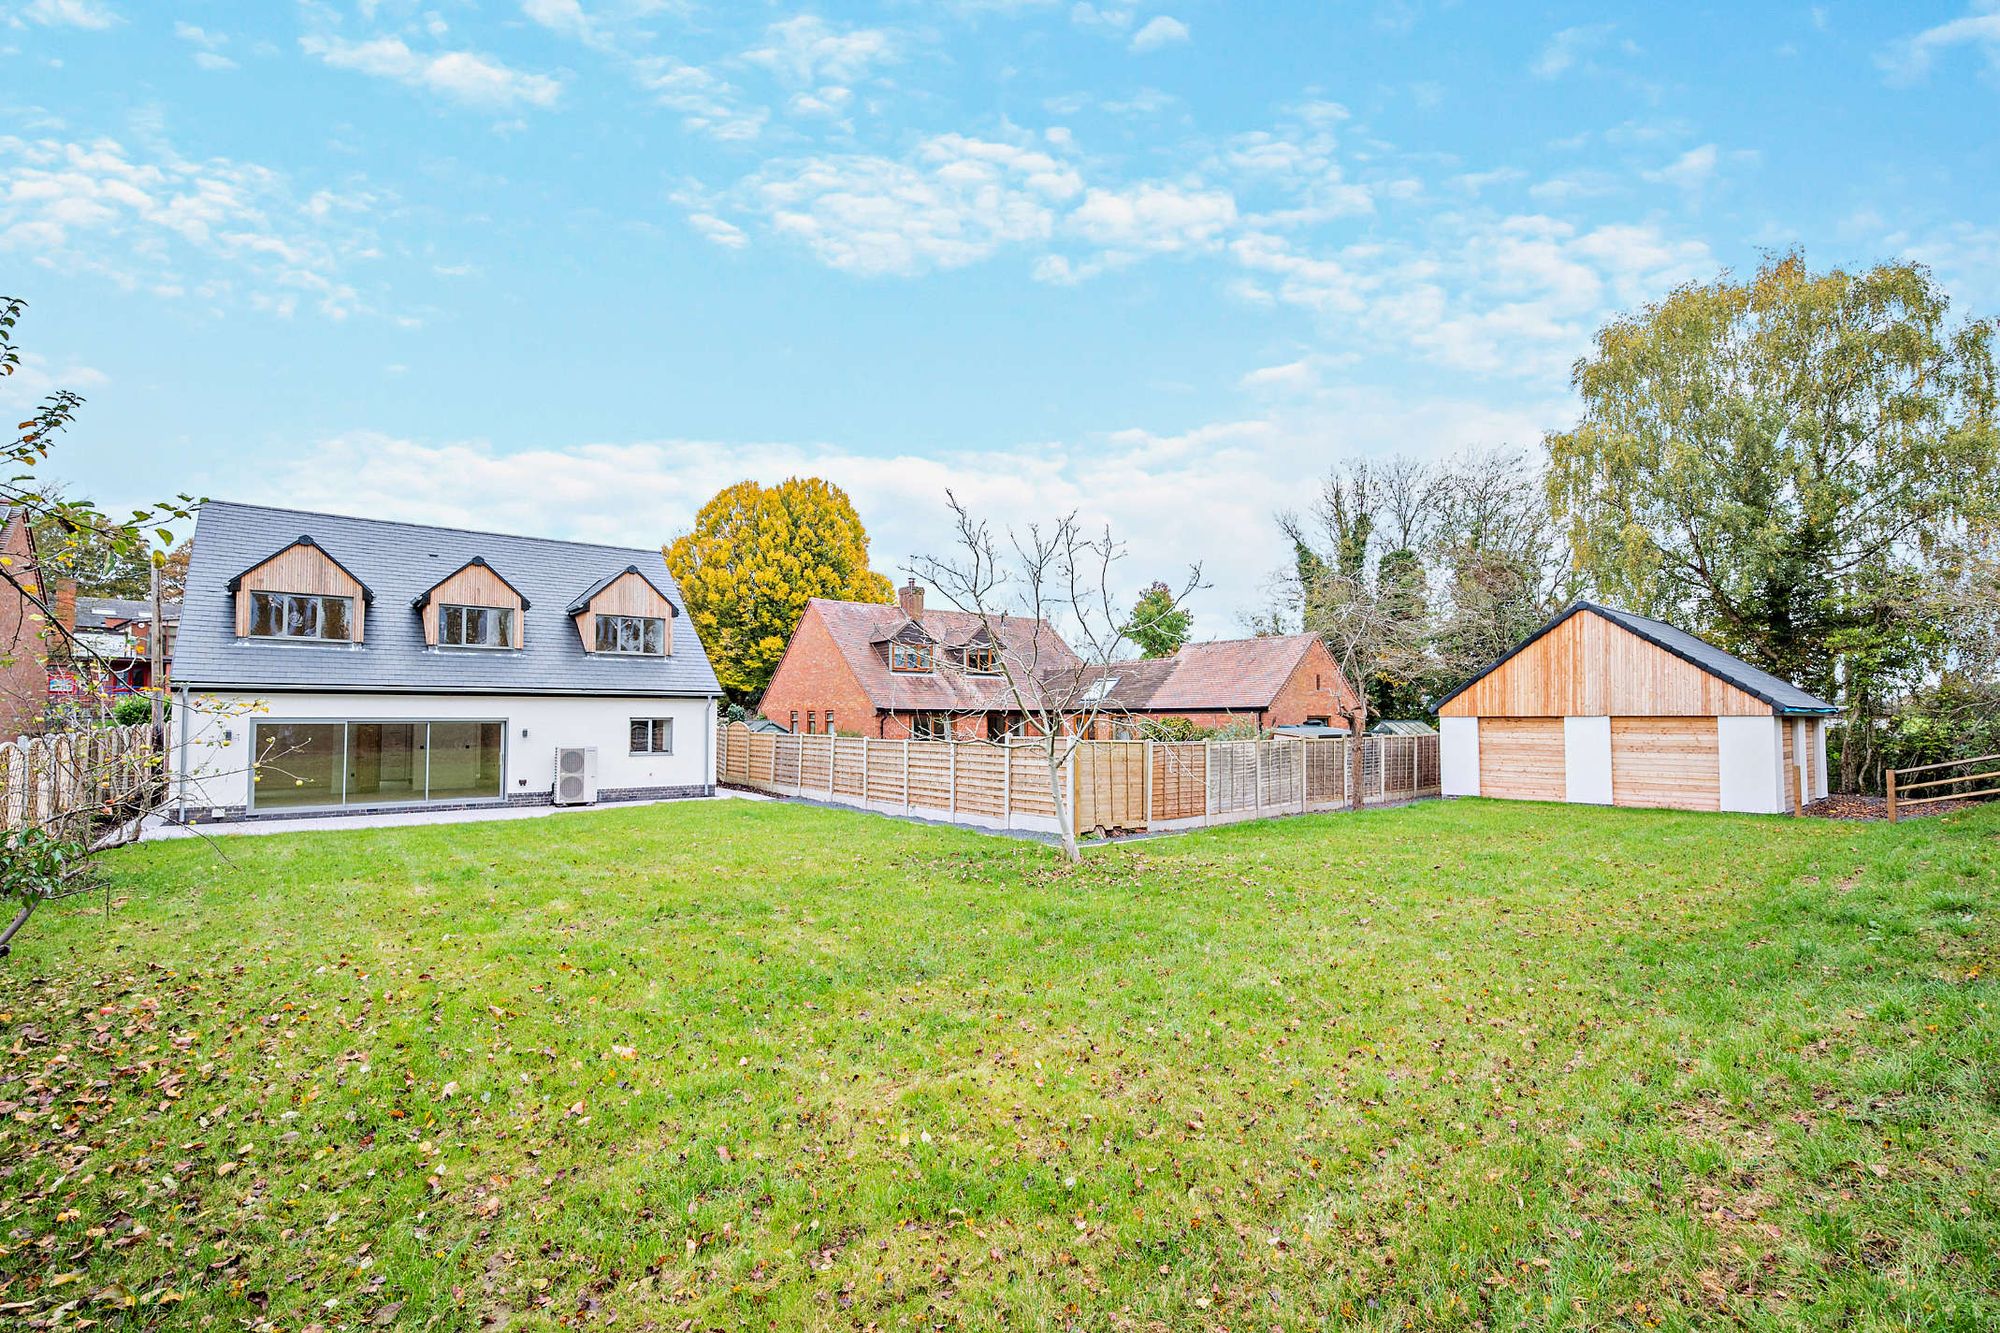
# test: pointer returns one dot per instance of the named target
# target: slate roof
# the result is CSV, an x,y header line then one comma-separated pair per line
x,y
98,612
1783,696
861,631
1227,673
401,561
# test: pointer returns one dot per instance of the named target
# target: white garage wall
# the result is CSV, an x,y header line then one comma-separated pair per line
x,y
217,754
1751,751
1458,755
1587,760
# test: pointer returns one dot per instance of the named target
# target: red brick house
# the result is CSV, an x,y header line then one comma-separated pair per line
x,y
901,670
24,634
1282,681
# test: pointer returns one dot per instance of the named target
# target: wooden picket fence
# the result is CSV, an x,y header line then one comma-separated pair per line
x,y
67,780
1112,785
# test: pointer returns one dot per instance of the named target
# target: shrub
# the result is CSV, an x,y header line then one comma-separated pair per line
x,y
133,709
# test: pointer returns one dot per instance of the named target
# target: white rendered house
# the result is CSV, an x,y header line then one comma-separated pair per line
x,y
333,664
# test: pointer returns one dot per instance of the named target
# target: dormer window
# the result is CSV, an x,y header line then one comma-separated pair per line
x,y
472,607
911,657
300,593
642,635
475,626
297,615
624,614
982,660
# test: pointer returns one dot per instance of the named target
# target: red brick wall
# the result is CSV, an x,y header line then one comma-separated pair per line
x,y
24,670
1316,689
813,677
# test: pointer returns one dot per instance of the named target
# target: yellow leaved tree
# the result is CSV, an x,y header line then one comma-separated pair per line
x,y
756,555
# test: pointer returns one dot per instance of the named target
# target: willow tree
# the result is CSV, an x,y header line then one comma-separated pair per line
x,y
1785,464
756,556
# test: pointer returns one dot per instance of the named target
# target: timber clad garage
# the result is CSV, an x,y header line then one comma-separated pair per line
x,y
1603,707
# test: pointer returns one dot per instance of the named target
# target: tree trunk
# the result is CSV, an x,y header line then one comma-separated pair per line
x,y
1059,796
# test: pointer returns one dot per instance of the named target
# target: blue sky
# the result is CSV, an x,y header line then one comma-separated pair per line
x,y
568,266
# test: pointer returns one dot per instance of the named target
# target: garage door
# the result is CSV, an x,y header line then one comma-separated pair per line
x,y
1669,763
1521,758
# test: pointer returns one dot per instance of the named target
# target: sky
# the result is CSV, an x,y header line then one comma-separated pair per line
x,y
568,267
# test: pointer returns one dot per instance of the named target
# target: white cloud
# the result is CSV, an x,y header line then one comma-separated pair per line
x,y
462,76
1569,46
1910,59
954,200
142,222
213,60
71,14
1690,171
708,103
1154,218
725,234
808,50
644,493
1158,32
1516,297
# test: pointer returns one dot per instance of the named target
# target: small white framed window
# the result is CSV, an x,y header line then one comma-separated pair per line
x,y
639,635
476,626
652,735
298,615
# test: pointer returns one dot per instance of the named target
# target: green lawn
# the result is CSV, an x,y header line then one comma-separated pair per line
x,y
1453,1066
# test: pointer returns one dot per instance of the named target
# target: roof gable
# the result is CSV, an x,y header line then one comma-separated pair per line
x,y
477,562
305,540
588,595
1776,695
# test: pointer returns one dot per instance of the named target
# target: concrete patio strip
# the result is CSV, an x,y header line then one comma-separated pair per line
x,y
158,829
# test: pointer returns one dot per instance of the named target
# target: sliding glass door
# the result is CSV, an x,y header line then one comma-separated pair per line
x,y
305,765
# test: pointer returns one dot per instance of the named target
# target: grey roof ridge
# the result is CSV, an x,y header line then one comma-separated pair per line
x,y
433,527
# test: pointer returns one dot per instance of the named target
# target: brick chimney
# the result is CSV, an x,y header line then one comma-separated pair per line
x,y
65,607
911,599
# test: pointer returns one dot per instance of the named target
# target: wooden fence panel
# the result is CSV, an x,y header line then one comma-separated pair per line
x,y
785,761
1232,777
850,763
815,764
885,772
1180,780
1282,763
1110,785
1326,773
930,774
982,781
1029,785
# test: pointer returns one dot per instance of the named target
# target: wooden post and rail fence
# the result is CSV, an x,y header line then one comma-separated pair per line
x,y
1126,786
1900,786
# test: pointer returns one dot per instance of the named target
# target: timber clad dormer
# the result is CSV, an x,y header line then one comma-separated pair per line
x,y
300,592
624,615
473,607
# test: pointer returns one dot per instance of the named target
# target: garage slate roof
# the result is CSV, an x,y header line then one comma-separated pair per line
x,y
400,562
1784,697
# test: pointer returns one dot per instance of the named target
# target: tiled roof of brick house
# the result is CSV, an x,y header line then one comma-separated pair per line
x,y
862,632
1230,673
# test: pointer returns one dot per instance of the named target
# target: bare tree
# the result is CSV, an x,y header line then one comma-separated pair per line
x,y
1056,575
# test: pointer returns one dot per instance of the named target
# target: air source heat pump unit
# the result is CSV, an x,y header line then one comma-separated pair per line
x,y
576,776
